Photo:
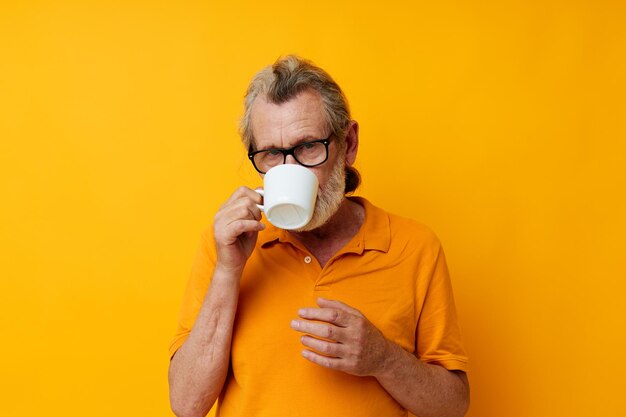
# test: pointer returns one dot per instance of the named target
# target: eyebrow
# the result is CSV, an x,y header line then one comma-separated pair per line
x,y
295,143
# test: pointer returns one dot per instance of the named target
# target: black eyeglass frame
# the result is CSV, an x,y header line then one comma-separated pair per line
x,y
290,151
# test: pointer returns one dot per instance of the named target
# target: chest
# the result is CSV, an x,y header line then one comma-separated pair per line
x,y
278,283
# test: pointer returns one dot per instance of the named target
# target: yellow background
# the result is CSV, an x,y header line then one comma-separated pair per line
x,y
501,125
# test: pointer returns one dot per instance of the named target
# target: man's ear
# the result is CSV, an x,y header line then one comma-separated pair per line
x,y
352,142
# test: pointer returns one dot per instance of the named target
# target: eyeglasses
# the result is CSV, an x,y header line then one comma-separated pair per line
x,y
308,154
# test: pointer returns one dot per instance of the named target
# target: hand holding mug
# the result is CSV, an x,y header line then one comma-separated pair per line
x,y
289,196
236,227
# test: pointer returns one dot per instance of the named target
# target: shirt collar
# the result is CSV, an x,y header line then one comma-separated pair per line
x,y
374,233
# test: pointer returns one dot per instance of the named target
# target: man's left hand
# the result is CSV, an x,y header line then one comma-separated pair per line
x,y
341,337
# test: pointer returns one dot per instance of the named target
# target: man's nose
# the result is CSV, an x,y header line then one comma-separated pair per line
x,y
290,160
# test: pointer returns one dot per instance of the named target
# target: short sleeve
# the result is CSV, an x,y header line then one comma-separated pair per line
x,y
197,286
438,337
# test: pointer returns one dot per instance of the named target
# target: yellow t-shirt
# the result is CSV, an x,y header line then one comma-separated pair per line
x,y
393,271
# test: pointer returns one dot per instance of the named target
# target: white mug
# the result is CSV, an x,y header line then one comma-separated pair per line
x,y
289,194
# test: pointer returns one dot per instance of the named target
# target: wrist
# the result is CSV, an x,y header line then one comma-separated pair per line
x,y
226,267
227,272
389,360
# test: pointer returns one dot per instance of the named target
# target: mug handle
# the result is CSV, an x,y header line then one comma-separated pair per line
x,y
261,207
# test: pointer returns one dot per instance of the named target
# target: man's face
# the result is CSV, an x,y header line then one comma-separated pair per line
x,y
301,119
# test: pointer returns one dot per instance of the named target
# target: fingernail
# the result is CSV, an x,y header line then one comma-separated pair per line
x,y
294,324
301,312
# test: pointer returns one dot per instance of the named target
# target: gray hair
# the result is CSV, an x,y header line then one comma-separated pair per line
x,y
285,79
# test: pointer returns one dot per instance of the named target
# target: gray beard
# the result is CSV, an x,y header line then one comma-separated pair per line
x,y
328,199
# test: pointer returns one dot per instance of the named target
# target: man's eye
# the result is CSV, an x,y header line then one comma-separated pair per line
x,y
308,145
273,152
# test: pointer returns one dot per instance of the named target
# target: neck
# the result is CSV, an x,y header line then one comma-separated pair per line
x,y
342,226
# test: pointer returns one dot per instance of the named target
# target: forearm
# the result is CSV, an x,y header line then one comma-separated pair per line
x,y
199,368
425,390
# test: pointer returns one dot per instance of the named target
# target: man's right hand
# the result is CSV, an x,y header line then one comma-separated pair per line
x,y
198,370
236,227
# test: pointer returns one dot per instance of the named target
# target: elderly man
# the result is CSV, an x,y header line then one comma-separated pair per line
x,y
352,315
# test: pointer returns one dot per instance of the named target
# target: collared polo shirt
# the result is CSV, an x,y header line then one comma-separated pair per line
x,y
393,271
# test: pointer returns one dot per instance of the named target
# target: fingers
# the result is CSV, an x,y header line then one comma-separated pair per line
x,y
330,320
233,228
325,361
330,315
243,192
325,347
326,303
239,227
340,337
234,217
323,330
243,202
236,226
241,209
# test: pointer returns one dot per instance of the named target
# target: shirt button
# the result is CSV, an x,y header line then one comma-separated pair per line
x,y
307,259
